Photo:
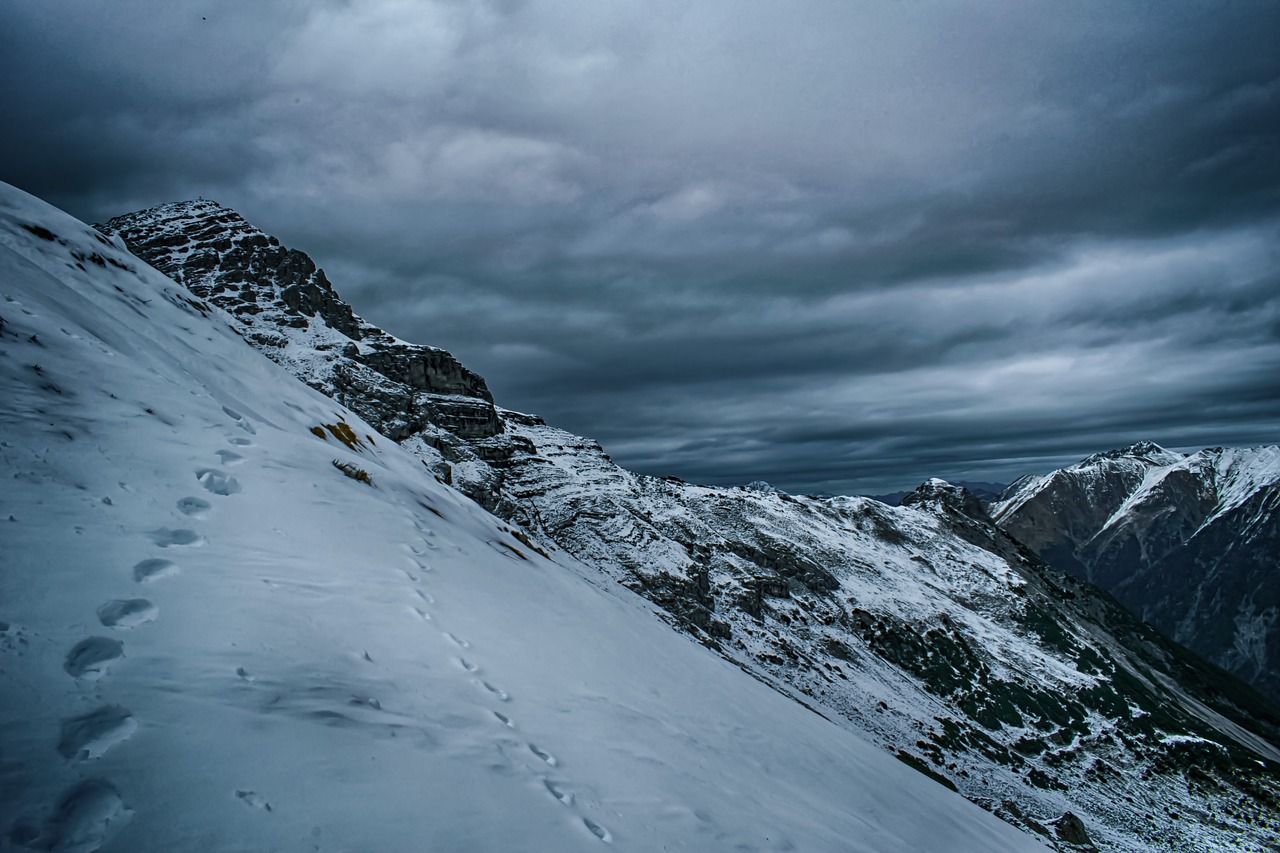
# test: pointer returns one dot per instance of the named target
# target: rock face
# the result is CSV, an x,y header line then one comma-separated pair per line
x,y
1189,543
285,306
925,628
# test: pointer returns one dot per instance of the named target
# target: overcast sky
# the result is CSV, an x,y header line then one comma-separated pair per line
x,y
840,246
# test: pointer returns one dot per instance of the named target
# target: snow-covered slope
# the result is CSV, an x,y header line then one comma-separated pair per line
x,y
219,634
923,628
1188,542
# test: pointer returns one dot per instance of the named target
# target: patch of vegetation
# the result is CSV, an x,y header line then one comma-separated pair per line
x,y
1030,746
523,538
346,435
1045,627
95,259
353,471
202,307
513,549
1043,780
343,432
917,763
40,231
979,741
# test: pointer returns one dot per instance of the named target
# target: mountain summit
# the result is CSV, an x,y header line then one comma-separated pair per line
x,y
285,306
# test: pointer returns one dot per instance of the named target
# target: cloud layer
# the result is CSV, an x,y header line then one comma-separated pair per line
x,y
838,246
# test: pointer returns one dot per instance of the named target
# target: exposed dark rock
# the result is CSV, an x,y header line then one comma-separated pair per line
x,y
788,564
219,256
943,494
1070,829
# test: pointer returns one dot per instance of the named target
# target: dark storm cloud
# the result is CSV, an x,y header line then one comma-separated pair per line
x,y
838,246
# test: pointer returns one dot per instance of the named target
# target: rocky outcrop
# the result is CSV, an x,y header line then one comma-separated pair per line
x,y
283,303
942,496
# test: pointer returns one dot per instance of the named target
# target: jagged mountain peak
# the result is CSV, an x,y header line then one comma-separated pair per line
x,y
1144,451
939,492
284,304
199,207
187,224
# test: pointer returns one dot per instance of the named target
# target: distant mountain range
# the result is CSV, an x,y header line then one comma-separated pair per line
x,y
924,628
983,491
1191,543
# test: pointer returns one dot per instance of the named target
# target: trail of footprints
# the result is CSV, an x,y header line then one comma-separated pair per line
x,y
88,810
560,790
92,809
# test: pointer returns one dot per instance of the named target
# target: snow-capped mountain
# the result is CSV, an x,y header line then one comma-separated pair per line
x,y
923,628
984,491
1188,542
233,616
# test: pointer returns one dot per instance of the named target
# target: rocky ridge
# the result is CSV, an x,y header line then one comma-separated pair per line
x,y
1188,542
285,306
925,627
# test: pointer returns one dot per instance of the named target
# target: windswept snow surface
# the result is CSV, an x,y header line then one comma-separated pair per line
x,y
215,639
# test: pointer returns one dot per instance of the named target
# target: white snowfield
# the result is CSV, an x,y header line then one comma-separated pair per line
x,y
213,638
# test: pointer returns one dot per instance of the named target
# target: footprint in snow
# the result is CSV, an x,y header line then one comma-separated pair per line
x,y
149,570
502,695
90,658
239,442
504,719
230,457
420,613
218,482
467,665
561,793
125,613
241,420
456,640
425,596
543,754
167,537
597,830
195,507
254,800
87,815
92,734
